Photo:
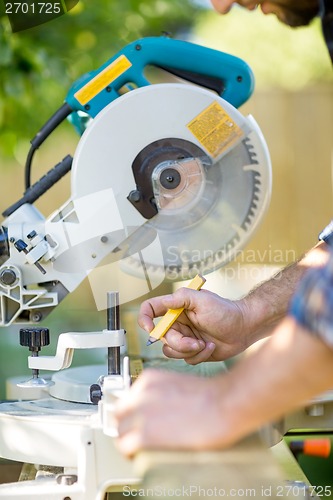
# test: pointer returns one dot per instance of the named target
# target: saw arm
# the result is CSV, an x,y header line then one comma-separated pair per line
x,y
167,180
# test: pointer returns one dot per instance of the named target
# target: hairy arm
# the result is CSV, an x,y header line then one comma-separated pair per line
x,y
284,374
268,303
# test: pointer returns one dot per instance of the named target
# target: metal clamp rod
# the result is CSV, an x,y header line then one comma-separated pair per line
x,y
113,322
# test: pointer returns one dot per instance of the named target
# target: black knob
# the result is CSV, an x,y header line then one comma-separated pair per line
x,y
34,338
95,393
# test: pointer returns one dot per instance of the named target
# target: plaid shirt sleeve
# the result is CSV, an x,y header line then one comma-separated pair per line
x,y
312,305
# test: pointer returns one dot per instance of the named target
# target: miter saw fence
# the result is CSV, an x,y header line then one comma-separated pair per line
x,y
168,180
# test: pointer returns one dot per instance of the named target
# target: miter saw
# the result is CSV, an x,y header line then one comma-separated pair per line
x,y
168,180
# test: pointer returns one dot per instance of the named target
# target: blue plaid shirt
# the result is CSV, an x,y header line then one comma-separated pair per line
x,y
312,305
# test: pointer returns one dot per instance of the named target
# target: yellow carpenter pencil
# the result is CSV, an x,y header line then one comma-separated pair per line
x,y
172,314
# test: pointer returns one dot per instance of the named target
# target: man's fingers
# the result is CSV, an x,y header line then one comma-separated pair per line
x,y
150,309
182,341
158,306
172,353
192,353
202,356
129,444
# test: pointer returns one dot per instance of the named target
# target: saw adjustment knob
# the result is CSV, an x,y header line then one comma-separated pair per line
x,y
34,338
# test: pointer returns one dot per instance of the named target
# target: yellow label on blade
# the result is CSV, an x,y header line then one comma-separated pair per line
x,y
215,129
103,79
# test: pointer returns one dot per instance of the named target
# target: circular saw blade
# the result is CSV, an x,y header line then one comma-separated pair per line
x,y
208,178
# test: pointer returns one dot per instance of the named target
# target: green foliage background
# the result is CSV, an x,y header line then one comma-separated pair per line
x,y
38,65
280,56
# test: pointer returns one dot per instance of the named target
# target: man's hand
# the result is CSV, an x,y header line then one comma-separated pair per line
x,y
210,328
167,410
213,328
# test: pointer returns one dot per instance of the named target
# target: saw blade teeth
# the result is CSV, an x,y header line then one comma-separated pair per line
x,y
250,149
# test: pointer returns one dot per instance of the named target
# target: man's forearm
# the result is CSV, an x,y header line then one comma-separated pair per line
x,y
268,303
284,374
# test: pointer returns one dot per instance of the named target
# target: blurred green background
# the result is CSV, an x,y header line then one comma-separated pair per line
x,y
292,103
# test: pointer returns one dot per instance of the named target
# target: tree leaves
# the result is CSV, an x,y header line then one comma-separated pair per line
x,y
38,65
